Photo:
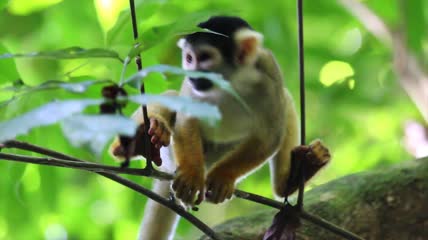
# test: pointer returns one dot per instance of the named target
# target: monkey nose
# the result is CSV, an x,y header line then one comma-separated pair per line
x,y
201,84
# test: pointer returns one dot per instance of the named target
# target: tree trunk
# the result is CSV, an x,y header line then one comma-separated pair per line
x,y
388,204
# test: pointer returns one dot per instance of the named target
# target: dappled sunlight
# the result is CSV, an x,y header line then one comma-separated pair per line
x,y
3,228
351,42
25,7
56,232
337,72
103,212
108,11
31,179
125,229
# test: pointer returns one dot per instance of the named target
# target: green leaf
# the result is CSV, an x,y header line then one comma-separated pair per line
x,y
8,70
185,25
123,26
416,28
215,78
45,115
96,131
201,110
67,53
78,87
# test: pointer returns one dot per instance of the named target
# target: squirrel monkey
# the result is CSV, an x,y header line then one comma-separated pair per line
x,y
210,160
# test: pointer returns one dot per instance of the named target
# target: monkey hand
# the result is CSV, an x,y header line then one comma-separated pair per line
x,y
219,187
188,182
160,134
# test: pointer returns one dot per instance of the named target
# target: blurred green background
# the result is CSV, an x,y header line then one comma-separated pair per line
x,y
355,102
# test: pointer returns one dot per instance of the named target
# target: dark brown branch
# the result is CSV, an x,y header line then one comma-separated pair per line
x,y
87,166
132,185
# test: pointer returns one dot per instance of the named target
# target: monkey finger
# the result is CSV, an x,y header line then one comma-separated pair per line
x,y
158,131
215,191
229,195
165,138
184,194
176,185
221,196
190,195
224,192
200,197
154,139
153,126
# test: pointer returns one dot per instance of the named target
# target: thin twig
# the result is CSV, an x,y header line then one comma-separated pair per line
x,y
87,166
303,214
371,21
302,100
142,89
132,185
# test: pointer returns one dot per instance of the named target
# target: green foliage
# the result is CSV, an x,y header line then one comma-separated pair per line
x,y
96,131
204,111
216,79
67,53
45,115
185,25
74,87
354,103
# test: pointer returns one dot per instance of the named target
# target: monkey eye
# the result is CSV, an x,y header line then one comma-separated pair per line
x,y
189,58
204,56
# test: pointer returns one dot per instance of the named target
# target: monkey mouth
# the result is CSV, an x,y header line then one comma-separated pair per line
x,y
201,84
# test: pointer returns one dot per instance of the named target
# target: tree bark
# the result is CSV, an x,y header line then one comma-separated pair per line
x,y
390,203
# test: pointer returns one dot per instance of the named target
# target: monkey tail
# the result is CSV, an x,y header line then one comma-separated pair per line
x,y
159,222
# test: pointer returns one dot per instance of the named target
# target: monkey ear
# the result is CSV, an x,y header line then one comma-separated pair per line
x,y
249,43
181,42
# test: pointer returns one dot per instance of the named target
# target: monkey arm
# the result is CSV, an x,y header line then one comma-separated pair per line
x,y
188,152
161,124
157,111
222,176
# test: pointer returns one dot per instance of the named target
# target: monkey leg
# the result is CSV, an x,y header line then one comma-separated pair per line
x,y
221,178
280,164
188,152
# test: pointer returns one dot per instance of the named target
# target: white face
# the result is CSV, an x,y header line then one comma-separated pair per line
x,y
199,58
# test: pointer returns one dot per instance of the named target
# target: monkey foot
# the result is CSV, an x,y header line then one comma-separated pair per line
x,y
188,185
311,158
160,134
318,154
219,187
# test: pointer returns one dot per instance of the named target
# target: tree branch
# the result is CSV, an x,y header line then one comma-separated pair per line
x,y
65,159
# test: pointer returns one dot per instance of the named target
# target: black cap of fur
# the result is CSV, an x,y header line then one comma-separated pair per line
x,y
224,25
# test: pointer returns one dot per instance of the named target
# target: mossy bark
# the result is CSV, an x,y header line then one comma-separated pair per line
x,y
391,204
